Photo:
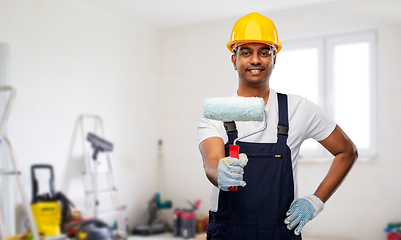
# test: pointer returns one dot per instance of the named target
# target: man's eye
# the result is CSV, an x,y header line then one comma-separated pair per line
x,y
245,53
266,54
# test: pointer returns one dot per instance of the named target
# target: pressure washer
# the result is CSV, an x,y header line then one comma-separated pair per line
x,y
46,210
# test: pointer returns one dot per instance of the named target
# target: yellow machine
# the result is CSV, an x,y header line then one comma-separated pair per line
x,y
45,208
47,217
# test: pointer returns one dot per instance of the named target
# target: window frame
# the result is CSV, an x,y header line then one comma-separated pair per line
x,y
326,45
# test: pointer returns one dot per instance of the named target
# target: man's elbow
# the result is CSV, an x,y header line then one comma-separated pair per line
x,y
353,152
349,153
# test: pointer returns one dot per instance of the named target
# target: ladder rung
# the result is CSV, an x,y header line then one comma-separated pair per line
x,y
9,172
98,173
103,191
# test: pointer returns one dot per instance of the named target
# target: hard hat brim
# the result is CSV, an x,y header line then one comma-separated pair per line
x,y
230,44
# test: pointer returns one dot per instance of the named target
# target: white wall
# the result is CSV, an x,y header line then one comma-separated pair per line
x,y
70,59
196,65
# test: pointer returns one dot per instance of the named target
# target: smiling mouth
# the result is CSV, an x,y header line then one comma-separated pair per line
x,y
255,71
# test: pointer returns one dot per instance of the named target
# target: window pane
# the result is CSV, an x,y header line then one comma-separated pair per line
x,y
296,72
352,91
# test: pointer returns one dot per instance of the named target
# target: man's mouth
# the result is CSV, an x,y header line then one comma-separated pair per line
x,y
255,71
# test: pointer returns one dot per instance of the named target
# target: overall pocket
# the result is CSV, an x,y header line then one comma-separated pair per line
x,y
275,232
241,232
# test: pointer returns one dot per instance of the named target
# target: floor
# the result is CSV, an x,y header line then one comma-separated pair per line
x,y
164,236
167,236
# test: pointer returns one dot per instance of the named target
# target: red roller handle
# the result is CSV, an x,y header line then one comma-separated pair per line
x,y
234,153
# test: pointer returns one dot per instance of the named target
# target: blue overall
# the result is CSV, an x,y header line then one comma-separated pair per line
x,y
257,211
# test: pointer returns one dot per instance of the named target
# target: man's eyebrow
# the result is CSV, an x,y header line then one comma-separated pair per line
x,y
262,48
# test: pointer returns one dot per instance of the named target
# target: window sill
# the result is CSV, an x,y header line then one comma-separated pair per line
x,y
328,159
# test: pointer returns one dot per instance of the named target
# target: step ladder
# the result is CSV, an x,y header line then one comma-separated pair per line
x,y
14,171
95,124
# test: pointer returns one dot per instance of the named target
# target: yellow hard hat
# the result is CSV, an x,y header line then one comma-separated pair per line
x,y
254,27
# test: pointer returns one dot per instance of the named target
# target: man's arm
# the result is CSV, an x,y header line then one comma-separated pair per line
x,y
212,150
305,209
346,153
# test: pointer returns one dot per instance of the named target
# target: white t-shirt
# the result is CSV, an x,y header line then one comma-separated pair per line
x,y
306,120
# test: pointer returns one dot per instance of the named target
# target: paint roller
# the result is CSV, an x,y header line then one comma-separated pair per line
x,y
229,109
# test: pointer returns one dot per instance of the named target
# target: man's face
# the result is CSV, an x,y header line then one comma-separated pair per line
x,y
254,63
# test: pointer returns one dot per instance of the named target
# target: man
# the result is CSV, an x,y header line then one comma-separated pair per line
x,y
266,205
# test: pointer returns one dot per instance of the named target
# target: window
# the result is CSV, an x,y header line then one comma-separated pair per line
x,y
337,72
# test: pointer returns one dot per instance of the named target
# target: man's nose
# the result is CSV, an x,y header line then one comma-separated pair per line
x,y
255,59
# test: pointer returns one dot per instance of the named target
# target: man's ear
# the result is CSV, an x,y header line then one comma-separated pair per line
x,y
234,61
274,60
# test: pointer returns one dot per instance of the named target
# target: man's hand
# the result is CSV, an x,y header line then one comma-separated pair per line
x,y
230,172
302,211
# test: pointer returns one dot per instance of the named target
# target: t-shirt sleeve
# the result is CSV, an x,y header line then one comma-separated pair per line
x,y
210,128
318,124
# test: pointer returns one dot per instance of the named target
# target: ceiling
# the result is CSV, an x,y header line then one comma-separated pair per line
x,y
164,14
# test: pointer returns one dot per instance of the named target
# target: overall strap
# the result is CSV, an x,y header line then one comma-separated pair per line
x,y
282,127
231,130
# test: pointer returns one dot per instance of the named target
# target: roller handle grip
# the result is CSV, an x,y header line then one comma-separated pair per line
x,y
234,153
